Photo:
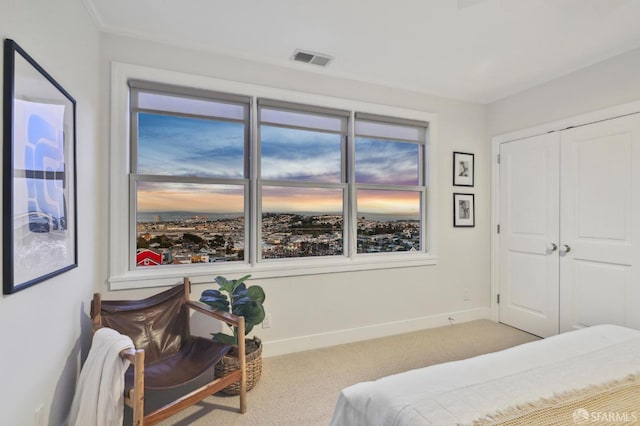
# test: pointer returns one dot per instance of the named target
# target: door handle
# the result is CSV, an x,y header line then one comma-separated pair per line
x,y
552,247
565,249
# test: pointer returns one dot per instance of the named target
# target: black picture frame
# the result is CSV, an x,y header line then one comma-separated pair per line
x,y
463,169
464,210
39,222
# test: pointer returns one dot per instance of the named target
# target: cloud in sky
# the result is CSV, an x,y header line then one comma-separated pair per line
x,y
286,199
170,145
302,155
404,203
155,196
386,162
181,146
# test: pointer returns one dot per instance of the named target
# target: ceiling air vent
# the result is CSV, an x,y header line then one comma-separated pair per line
x,y
311,57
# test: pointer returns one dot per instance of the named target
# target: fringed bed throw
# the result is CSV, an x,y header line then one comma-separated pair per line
x,y
613,403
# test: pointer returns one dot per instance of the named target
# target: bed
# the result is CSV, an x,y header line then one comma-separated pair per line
x,y
501,385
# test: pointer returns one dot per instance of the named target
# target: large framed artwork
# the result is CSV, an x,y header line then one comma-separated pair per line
x,y
464,210
463,169
39,174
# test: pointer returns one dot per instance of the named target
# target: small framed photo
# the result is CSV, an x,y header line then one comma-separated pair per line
x,y
463,169
464,210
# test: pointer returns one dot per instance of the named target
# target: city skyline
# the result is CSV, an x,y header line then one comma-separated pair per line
x,y
182,215
194,238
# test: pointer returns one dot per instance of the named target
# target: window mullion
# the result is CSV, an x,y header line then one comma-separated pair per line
x,y
189,179
407,188
351,206
133,157
293,184
133,223
255,209
294,127
390,139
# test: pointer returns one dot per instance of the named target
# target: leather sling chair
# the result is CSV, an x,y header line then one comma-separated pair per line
x,y
166,354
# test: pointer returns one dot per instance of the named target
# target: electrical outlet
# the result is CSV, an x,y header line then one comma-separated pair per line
x,y
465,295
266,323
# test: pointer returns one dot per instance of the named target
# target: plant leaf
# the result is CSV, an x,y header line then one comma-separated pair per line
x,y
225,284
240,291
241,301
238,282
217,304
215,299
258,316
256,293
243,279
252,312
247,328
213,293
224,338
222,281
255,319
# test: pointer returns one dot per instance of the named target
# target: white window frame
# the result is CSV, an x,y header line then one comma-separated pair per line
x,y
135,175
421,186
121,276
288,183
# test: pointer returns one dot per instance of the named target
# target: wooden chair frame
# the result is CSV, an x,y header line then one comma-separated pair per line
x,y
134,397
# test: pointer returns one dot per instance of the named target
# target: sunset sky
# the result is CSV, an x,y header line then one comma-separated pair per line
x,y
170,145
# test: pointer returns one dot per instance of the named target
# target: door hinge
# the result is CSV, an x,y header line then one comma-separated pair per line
x,y
498,299
498,229
498,158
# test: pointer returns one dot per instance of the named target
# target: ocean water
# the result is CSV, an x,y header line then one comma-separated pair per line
x,y
181,216
184,215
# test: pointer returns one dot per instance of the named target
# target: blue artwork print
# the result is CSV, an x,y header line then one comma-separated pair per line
x,y
39,226
44,166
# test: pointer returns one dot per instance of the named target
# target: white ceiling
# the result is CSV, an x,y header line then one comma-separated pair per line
x,y
474,50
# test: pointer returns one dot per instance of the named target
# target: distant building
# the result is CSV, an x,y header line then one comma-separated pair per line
x,y
200,258
146,257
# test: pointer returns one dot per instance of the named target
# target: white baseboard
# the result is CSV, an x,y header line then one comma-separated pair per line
x,y
350,335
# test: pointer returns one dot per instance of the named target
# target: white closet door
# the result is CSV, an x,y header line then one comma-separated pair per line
x,y
599,223
528,240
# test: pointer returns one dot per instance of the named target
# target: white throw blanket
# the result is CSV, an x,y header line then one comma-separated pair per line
x,y
99,398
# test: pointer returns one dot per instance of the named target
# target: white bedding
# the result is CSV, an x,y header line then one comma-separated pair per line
x,y
460,392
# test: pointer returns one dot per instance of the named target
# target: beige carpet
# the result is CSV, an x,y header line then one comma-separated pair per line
x,y
301,389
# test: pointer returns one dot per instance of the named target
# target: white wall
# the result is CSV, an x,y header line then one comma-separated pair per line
x,y
609,83
44,329
317,310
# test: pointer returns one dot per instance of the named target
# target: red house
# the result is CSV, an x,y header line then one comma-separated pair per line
x,y
146,257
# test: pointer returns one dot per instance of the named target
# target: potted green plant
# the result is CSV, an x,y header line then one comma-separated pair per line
x,y
235,297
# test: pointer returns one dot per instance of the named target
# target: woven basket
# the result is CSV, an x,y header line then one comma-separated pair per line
x,y
254,368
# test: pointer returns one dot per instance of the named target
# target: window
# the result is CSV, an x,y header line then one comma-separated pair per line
x,y
190,182
232,178
390,183
302,180
188,175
